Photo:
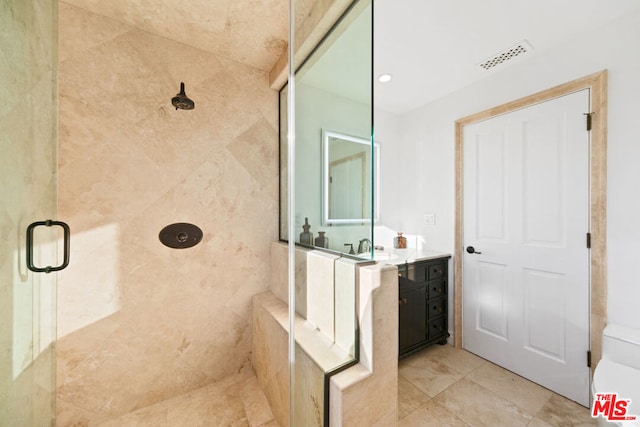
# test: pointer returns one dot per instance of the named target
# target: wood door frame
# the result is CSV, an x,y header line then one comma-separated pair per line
x,y
597,83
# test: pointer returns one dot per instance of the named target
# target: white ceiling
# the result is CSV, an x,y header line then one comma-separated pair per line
x,y
433,47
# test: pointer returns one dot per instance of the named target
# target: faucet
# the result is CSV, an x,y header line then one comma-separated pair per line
x,y
351,252
364,246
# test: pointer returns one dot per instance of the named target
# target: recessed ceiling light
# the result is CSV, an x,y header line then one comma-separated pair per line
x,y
384,78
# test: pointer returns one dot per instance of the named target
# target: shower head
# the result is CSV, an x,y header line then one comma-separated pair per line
x,y
181,101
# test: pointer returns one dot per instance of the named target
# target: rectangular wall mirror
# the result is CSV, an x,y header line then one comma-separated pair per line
x,y
347,179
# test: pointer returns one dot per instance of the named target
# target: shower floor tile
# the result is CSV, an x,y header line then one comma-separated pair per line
x,y
234,401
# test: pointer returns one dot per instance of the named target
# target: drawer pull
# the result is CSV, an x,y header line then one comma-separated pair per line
x,y
402,301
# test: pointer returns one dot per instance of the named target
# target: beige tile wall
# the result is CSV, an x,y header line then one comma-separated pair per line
x,y
366,394
271,363
139,322
270,346
279,283
321,292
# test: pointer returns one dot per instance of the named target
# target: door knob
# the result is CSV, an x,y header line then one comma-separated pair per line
x,y
472,250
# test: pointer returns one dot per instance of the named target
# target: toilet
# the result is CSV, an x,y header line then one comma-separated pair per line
x,y
618,372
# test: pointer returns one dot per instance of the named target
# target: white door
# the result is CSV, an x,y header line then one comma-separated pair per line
x,y
346,187
526,215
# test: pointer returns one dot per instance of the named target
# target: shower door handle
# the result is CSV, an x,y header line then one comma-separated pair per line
x,y
49,269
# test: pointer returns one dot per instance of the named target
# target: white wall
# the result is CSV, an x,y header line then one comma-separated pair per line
x,y
425,149
387,134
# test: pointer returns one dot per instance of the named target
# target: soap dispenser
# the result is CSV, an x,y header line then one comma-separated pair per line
x,y
321,240
306,237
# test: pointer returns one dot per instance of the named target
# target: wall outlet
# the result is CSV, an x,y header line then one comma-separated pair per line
x,y
429,218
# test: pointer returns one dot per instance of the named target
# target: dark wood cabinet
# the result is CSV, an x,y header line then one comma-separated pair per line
x,y
413,328
422,304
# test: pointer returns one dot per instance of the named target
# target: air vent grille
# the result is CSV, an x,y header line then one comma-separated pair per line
x,y
512,52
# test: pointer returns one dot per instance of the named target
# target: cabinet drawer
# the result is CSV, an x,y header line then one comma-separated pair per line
x,y
437,328
436,271
437,289
437,307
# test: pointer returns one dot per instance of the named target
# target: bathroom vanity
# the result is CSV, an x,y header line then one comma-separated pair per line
x,y
422,302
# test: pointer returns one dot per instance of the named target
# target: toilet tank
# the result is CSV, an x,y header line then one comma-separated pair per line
x,y
621,344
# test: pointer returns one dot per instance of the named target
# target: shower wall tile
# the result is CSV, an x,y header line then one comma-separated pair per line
x,y
279,283
345,280
140,322
246,31
83,31
360,394
250,154
320,297
270,352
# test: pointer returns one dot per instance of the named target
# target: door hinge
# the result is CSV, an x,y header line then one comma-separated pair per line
x,y
589,119
588,358
588,240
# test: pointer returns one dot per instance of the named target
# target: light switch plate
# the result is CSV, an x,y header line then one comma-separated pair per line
x,y
429,218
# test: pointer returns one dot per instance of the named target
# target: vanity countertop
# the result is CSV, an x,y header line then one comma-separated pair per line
x,y
401,256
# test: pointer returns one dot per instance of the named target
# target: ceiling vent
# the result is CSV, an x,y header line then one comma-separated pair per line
x,y
512,52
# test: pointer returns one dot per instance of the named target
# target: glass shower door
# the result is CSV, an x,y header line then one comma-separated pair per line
x,y
28,181
325,120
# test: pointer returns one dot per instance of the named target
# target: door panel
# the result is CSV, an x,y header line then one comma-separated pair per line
x,y
526,213
490,181
544,330
543,210
492,307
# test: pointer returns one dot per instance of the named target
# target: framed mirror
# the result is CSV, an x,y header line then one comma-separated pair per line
x,y
347,179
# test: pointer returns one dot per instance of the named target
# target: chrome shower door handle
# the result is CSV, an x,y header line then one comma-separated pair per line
x,y
48,223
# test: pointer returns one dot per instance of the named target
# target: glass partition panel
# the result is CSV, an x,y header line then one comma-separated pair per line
x,y
28,164
336,180
327,212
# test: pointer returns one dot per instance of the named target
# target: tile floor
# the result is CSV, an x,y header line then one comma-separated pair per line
x,y
443,386
439,386
235,401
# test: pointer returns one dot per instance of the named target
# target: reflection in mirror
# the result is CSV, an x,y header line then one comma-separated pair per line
x,y
346,179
